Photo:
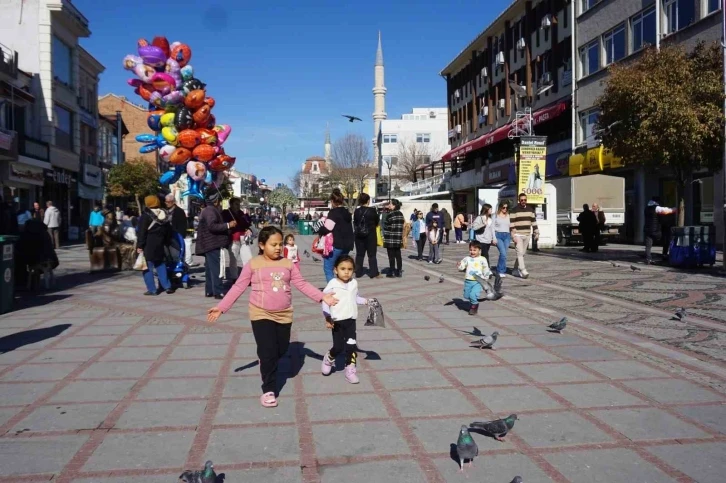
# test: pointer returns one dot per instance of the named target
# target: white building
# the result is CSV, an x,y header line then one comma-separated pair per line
x,y
417,138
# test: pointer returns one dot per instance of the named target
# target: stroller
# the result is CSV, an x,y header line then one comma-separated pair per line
x,y
177,269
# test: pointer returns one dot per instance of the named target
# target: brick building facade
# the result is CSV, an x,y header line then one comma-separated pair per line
x,y
134,117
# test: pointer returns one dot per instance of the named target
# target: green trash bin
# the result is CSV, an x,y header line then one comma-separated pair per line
x,y
7,269
307,228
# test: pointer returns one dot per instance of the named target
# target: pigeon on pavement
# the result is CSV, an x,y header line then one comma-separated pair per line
x,y
558,326
680,314
487,342
498,428
306,253
427,278
191,477
315,259
634,268
441,278
466,448
517,479
207,475
614,264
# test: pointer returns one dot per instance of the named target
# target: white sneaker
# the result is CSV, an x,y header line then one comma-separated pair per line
x,y
502,275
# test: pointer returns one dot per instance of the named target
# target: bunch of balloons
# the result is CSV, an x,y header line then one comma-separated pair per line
x,y
186,133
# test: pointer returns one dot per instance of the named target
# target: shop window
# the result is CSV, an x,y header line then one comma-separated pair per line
x,y
63,123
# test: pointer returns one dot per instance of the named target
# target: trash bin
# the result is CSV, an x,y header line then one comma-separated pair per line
x,y
307,228
300,226
692,246
7,269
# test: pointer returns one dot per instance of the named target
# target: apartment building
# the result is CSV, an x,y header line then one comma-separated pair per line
x,y
521,61
134,117
91,178
610,31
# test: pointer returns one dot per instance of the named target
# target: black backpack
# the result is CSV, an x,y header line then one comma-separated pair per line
x,y
361,226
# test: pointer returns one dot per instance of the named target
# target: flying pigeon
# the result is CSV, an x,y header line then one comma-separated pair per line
x,y
315,259
558,326
306,253
487,342
517,479
427,278
498,428
614,264
441,278
634,268
466,448
680,314
352,118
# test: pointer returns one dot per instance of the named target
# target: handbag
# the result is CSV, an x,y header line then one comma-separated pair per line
x,y
379,236
140,263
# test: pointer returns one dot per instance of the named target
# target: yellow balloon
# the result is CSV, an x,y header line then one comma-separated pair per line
x,y
170,135
167,119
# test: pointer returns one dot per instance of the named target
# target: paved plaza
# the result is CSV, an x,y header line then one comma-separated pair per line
x,y
106,385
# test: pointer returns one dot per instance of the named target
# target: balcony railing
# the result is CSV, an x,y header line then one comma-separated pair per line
x,y
33,148
428,185
8,143
9,61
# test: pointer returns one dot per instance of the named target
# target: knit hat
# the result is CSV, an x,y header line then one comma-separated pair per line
x,y
152,201
211,197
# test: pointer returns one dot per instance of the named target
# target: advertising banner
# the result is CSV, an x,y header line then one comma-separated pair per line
x,y
532,165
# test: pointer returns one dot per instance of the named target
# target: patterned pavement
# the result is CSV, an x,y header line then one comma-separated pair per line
x,y
109,385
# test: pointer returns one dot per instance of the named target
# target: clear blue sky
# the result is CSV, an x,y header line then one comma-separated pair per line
x,y
280,71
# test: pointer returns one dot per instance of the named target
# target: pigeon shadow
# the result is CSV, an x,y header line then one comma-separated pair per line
x,y
247,366
19,339
220,478
454,454
475,332
553,331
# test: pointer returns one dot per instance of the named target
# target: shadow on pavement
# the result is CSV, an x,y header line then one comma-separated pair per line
x,y
19,339
30,300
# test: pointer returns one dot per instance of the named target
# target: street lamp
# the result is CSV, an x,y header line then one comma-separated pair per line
x,y
389,163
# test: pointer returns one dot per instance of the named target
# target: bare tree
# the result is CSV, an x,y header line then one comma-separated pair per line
x,y
411,155
350,168
296,185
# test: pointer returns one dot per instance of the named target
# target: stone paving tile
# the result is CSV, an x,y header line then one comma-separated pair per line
x,y
527,356
514,399
397,471
86,391
528,329
133,354
125,479
468,357
41,372
47,454
400,361
148,339
87,341
248,411
263,444
431,345
552,373
433,402
141,451
189,368
628,369
103,370
349,406
437,435
408,315
606,465
65,355
509,321
479,376
549,339
156,414
596,395
420,323
161,329
104,330
64,417
647,423
215,338
587,353
357,439
6,414
495,467
177,388
674,391
15,394
712,416
703,462
16,356
277,475
412,379
418,334
558,429
319,384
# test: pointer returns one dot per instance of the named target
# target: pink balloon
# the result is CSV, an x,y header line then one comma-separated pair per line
x,y
223,132
196,170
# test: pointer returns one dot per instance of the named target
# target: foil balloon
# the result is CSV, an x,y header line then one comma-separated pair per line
x,y
223,132
201,115
221,163
183,119
167,119
203,153
195,99
196,170
153,120
187,72
189,85
211,122
180,156
154,142
172,176
171,99
210,102
181,53
163,44
189,138
208,136
145,91
151,55
208,177
173,69
136,65
193,190
163,82
166,151
170,135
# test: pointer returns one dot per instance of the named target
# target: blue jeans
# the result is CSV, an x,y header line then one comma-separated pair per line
x,y
459,234
160,272
472,289
329,263
503,240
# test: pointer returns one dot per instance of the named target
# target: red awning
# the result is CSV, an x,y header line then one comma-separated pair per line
x,y
501,133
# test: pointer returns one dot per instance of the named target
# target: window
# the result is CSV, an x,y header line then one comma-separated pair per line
x,y
590,58
62,62
390,160
63,122
614,44
423,137
679,14
422,160
588,120
114,150
390,138
713,5
643,26
588,4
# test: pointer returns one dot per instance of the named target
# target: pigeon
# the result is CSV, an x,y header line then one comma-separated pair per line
x,y
352,118
497,283
207,475
306,253
517,479
441,278
498,428
487,342
427,278
634,268
191,477
614,264
558,326
466,448
315,259
680,314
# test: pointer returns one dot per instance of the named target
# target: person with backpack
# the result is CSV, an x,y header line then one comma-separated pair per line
x,y
365,223
339,223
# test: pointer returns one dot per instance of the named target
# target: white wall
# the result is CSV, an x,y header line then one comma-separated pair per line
x,y
19,32
406,130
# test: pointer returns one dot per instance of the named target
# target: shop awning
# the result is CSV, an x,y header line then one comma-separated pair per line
x,y
89,192
501,133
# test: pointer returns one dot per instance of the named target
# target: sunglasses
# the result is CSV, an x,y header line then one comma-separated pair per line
x,y
523,200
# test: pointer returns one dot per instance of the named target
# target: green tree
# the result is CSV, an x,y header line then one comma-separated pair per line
x,y
135,178
283,197
665,111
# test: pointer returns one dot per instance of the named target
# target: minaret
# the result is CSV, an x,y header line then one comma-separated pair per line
x,y
379,96
327,144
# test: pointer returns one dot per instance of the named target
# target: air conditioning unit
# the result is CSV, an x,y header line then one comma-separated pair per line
x,y
432,114
501,104
458,128
484,73
521,44
457,93
547,21
500,58
485,111
546,78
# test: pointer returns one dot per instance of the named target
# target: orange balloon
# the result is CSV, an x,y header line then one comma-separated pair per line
x,y
195,99
201,115
180,156
209,136
182,54
189,138
145,91
203,152
210,101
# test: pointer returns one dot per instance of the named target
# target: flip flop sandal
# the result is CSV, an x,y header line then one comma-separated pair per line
x,y
268,400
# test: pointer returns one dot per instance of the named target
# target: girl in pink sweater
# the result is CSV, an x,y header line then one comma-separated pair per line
x,y
270,305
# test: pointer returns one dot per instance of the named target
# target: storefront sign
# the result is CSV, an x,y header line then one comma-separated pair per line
x,y
498,172
532,164
24,173
59,177
6,139
92,175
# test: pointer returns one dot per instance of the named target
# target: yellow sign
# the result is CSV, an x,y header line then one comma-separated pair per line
x,y
532,162
594,160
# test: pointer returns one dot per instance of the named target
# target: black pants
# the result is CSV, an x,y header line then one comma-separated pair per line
x,y
363,246
447,231
394,258
272,340
213,282
420,243
343,334
485,252
588,240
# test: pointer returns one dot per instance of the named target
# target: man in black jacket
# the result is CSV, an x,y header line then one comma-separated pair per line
x,y
212,236
179,224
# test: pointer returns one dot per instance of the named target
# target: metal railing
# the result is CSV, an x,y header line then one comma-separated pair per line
x,y
9,61
428,184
